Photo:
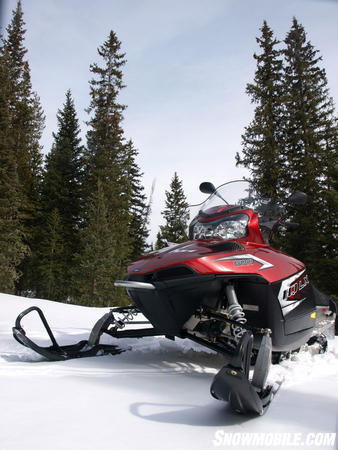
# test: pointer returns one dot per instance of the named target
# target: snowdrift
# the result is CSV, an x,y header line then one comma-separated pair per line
x,y
153,396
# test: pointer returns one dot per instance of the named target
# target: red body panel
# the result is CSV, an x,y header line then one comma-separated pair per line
x,y
255,258
200,257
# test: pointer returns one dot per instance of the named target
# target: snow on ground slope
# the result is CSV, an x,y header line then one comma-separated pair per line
x,y
155,396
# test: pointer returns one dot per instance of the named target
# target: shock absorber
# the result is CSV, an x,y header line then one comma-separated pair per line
x,y
235,311
127,316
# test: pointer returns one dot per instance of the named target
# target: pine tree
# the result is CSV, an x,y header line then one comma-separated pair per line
x,y
310,157
105,156
138,210
110,161
105,136
98,259
291,145
160,241
25,128
12,246
175,214
51,262
27,117
262,138
62,192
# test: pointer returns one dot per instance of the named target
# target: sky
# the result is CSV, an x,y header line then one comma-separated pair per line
x,y
188,63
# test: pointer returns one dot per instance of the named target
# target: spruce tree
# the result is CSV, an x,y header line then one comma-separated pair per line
x,y
12,246
160,241
138,209
104,152
25,129
262,143
62,192
175,214
291,145
310,157
27,117
110,161
98,261
50,265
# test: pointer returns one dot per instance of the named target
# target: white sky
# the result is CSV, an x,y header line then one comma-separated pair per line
x,y
188,65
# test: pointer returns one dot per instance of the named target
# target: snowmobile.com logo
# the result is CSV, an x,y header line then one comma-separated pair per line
x,y
231,440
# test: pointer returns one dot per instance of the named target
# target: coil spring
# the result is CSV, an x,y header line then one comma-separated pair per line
x,y
236,313
127,316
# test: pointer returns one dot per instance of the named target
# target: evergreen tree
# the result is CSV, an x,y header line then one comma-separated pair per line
x,y
175,214
27,117
62,192
25,129
291,145
110,161
138,210
105,145
262,138
310,157
51,263
12,247
160,241
98,259
105,156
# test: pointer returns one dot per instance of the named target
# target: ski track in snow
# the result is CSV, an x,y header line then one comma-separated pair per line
x,y
164,371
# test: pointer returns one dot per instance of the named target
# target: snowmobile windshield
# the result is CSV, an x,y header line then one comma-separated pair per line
x,y
222,214
233,196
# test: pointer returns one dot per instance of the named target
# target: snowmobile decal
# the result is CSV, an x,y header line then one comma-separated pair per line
x,y
175,248
184,249
246,260
293,291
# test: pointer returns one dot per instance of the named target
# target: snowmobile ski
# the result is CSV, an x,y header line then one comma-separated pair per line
x,y
84,348
232,382
57,352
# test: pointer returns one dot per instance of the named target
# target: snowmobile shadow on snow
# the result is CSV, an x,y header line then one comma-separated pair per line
x,y
222,415
185,414
226,289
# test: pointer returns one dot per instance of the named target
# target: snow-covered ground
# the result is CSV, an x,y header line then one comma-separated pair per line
x,y
155,396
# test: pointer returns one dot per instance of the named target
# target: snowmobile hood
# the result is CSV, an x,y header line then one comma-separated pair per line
x,y
216,256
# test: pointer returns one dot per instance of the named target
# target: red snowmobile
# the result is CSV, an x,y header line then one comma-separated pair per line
x,y
225,289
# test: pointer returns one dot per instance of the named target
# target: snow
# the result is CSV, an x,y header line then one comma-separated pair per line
x,y
155,396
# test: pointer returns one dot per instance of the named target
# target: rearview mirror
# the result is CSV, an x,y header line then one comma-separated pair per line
x,y
297,198
207,188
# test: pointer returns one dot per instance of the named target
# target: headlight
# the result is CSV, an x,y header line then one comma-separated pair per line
x,y
233,227
203,231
